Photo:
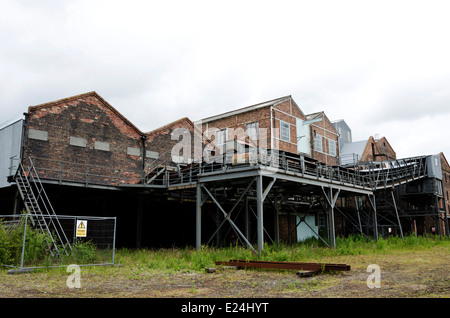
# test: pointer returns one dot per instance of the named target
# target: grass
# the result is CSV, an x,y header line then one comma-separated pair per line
x,y
415,267
190,260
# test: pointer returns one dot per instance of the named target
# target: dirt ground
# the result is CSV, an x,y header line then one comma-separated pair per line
x,y
424,274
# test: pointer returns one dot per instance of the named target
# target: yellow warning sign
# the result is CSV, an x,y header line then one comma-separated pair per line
x,y
81,228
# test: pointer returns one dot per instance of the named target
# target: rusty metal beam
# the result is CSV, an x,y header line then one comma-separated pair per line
x,y
319,267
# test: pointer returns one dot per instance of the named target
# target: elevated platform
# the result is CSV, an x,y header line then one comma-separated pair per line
x,y
269,178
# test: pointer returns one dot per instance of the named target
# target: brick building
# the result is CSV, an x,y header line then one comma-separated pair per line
x,y
83,130
323,139
445,205
366,150
95,161
277,124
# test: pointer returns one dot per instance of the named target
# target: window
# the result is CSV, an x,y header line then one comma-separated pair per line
x,y
252,130
285,131
332,147
318,142
221,137
348,137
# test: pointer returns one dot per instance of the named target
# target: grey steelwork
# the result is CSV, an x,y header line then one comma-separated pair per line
x,y
227,218
10,150
198,217
39,207
374,207
396,213
331,200
364,179
259,211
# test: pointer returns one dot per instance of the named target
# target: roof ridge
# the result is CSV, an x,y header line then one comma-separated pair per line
x,y
245,108
171,123
94,94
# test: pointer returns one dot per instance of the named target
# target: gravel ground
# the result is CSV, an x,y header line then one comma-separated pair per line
x,y
424,274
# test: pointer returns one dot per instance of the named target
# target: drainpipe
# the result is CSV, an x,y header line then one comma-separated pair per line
x,y
24,128
143,139
271,128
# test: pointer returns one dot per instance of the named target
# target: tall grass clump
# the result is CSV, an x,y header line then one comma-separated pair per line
x,y
11,242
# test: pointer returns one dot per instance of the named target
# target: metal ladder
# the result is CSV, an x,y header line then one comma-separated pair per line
x,y
41,211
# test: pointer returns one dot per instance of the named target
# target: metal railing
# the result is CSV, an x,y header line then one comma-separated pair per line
x,y
39,207
165,172
390,173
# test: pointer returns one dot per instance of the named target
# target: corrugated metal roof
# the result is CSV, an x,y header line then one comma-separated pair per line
x,y
10,122
356,147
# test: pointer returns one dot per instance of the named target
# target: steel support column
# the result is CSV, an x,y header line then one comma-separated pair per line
x,y
375,222
357,205
198,217
227,216
396,213
259,213
331,199
247,219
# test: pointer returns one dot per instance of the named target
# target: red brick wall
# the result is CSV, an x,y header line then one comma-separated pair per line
x,y
286,111
446,182
385,149
164,139
326,129
88,117
238,122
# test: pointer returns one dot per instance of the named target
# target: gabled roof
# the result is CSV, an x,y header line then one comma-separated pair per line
x,y
89,94
272,102
380,144
445,166
190,123
318,115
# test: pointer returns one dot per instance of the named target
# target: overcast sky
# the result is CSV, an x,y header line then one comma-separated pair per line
x,y
383,66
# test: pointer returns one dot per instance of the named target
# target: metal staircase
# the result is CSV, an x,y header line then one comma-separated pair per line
x,y
38,206
156,167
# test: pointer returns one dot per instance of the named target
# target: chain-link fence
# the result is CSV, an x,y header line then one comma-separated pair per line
x,y
27,243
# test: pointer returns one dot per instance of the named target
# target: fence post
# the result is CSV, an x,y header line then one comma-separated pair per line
x,y
114,241
24,239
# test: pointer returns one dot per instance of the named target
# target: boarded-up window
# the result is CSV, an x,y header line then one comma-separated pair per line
x,y
78,142
133,151
37,134
100,145
152,154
